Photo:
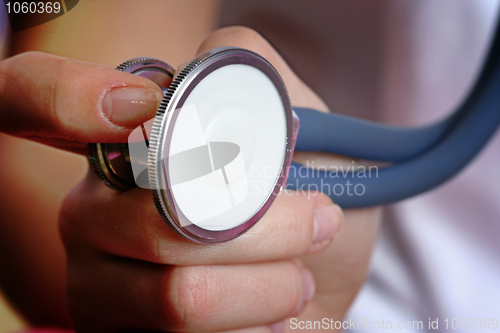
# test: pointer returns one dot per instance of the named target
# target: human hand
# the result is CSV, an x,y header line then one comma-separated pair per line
x,y
127,270
126,274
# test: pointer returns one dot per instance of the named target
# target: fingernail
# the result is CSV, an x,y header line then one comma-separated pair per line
x,y
327,222
278,327
129,106
308,289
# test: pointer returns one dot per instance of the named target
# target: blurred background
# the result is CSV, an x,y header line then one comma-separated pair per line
x,y
397,61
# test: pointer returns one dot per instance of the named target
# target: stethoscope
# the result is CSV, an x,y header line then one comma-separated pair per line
x,y
220,147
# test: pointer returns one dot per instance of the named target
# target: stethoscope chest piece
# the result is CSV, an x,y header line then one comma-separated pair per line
x,y
217,153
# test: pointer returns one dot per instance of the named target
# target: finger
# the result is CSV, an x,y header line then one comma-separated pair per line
x,y
300,93
128,224
57,100
115,294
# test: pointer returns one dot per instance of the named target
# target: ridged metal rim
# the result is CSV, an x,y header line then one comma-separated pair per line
x,y
93,149
129,63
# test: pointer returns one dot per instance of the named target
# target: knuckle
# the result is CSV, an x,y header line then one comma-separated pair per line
x,y
187,303
155,236
296,292
238,36
31,56
293,226
291,293
295,237
243,33
300,233
63,94
59,90
168,252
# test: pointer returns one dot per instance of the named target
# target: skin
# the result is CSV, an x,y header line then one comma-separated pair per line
x,y
124,273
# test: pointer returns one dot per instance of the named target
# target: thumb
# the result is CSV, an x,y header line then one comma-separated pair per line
x,y
66,103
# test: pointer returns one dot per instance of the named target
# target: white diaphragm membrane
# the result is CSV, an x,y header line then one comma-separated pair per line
x,y
226,148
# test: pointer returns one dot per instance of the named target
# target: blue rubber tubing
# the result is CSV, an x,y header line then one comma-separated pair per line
x,y
425,157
